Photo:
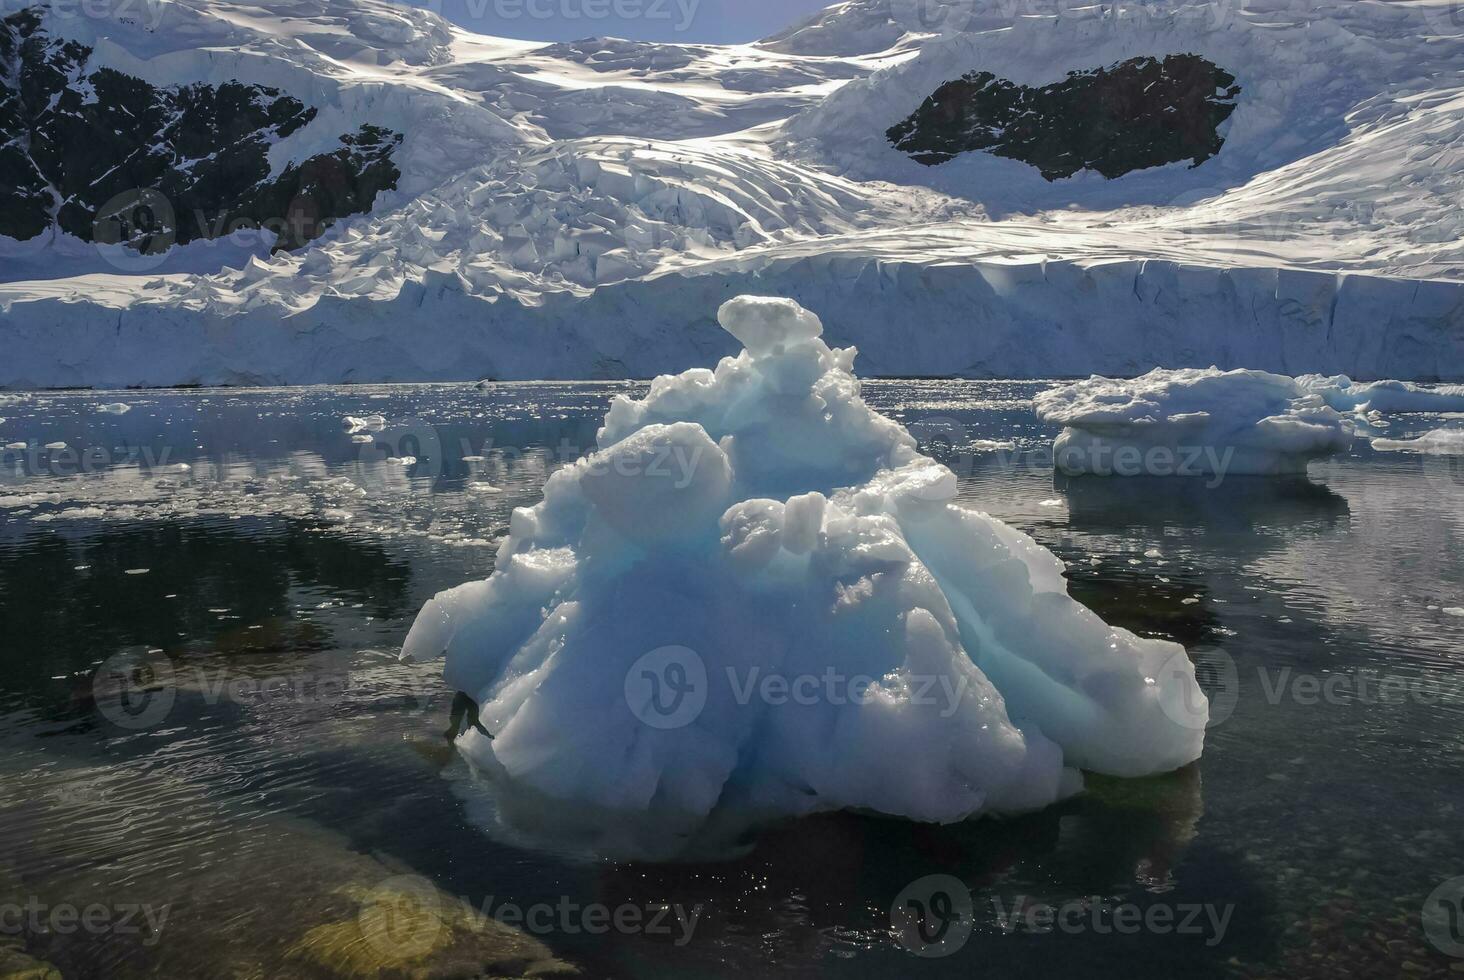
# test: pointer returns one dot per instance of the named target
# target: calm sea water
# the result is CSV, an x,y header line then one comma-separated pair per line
x,y
258,564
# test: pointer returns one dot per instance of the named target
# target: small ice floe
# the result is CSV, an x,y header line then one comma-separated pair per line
x,y
368,423
1052,502
1188,601
339,516
15,445
403,460
58,445
992,445
473,459
114,408
484,488
362,438
1191,422
1453,610
1374,397
1153,553
137,571
1439,442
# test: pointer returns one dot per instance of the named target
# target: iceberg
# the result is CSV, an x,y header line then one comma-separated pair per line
x,y
759,600
1346,395
1440,442
1192,422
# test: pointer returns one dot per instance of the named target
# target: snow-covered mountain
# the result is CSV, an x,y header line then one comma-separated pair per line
x,y
980,187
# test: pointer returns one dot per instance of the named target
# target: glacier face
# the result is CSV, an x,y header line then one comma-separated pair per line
x,y
572,210
757,600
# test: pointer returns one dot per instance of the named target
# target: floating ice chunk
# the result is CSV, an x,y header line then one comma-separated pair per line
x,y
15,445
114,408
363,438
1370,398
137,571
56,445
402,460
1191,422
758,599
1453,610
1442,442
370,423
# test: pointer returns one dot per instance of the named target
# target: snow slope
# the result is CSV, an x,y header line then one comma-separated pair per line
x,y
573,210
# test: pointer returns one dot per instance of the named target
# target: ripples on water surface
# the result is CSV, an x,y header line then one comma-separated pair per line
x,y
262,563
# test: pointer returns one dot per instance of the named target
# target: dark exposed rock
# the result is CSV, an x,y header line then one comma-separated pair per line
x,y
1139,113
105,156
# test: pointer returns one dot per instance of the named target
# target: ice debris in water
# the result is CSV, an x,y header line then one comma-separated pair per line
x,y
370,423
1373,397
114,408
758,599
1442,442
1191,422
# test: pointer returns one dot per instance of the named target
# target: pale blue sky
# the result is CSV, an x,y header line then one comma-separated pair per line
x,y
649,20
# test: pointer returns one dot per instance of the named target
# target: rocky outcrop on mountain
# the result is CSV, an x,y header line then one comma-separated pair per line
x,y
1139,113
104,156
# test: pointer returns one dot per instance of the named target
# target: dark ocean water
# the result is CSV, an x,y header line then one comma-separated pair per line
x,y
258,569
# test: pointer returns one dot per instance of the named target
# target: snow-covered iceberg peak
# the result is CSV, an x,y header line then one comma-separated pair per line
x,y
758,599
1191,422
